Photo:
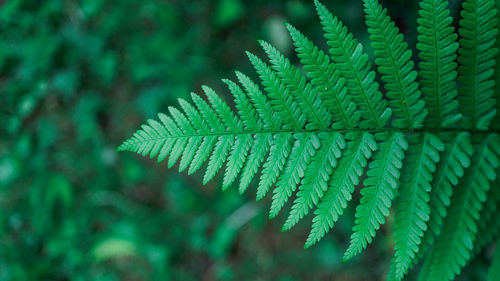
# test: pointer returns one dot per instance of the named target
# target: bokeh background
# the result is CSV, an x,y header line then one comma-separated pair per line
x,y
77,77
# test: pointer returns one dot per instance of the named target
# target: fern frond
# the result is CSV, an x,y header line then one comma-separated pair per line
x,y
438,70
478,30
412,205
396,67
314,133
453,247
326,78
355,67
341,185
380,188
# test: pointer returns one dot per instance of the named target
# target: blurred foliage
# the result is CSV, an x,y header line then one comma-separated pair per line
x,y
76,78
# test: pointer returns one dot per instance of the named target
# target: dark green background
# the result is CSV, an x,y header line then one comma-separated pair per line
x,y
78,77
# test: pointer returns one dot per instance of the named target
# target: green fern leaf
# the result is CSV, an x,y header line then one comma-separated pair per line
x,y
318,131
236,159
194,117
249,116
192,144
305,97
202,154
454,161
181,121
262,144
231,123
354,65
438,70
218,157
189,152
326,78
316,176
281,100
270,119
304,148
342,184
394,63
169,128
478,28
412,207
208,114
379,190
453,247
278,156
185,128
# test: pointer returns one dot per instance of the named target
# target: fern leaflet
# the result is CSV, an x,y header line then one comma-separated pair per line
x,y
438,70
478,28
394,63
379,190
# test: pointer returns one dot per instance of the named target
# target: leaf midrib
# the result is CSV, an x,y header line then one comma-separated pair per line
x,y
373,131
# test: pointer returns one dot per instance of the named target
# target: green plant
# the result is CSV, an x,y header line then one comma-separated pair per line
x,y
430,145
